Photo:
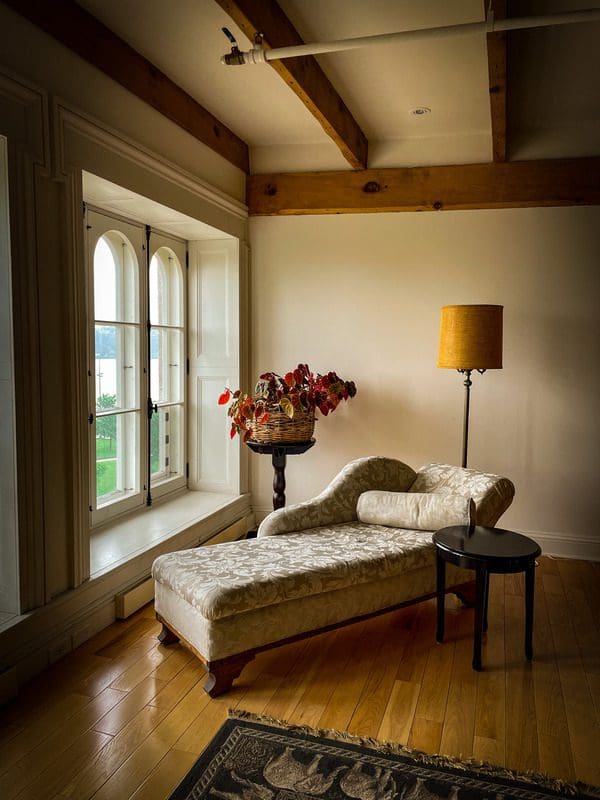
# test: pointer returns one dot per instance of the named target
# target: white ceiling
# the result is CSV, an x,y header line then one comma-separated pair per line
x,y
553,98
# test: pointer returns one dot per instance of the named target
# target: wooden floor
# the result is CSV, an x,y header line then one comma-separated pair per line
x,y
126,717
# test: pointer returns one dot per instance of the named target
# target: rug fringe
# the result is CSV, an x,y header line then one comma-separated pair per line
x,y
393,748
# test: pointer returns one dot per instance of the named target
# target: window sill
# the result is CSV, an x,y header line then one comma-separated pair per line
x,y
119,541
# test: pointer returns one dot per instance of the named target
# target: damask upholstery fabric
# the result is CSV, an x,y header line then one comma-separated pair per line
x,y
492,494
234,577
314,564
415,510
337,503
247,630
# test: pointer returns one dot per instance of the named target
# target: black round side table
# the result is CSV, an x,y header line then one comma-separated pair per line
x,y
485,550
279,453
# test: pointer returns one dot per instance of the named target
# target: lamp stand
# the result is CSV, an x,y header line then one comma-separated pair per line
x,y
467,383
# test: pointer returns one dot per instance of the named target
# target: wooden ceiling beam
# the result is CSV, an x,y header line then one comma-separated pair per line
x,y
76,28
515,184
496,52
303,74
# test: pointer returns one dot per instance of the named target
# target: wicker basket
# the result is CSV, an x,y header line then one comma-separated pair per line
x,y
280,429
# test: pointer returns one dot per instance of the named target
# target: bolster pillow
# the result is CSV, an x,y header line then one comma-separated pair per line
x,y
421,512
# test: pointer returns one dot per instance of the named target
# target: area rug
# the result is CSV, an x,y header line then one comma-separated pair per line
x,y
256,758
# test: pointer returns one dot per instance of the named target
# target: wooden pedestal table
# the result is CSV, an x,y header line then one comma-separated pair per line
x,y
486,550
279,454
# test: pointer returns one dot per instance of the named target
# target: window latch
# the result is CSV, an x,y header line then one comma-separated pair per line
x,y
152,408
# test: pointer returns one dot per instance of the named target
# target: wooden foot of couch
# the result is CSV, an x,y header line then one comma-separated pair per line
x,y
465,593
222,673
166,636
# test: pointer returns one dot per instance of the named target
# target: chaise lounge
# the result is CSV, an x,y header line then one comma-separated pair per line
x,y
361,547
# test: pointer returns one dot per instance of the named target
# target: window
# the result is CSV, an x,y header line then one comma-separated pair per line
x,y
137,353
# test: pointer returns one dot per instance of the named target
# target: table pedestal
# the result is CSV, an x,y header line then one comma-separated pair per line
x,y
279,454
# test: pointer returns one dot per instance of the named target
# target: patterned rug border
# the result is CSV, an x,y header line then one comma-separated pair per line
x,y
483,768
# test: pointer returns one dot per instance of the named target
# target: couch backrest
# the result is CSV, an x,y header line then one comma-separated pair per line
x,y
492,494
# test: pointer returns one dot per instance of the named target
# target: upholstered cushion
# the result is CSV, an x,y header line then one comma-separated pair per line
x,y
233,577
417,511
492,494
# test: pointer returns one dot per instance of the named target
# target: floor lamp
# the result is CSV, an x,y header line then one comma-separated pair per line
x,y
470,340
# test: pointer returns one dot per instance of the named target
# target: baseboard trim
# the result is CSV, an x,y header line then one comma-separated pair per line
x,y
564,546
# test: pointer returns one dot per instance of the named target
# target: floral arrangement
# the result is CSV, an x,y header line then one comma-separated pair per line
x,y
297,391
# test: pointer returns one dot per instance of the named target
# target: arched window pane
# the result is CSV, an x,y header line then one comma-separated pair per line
x,y
166,288
105,281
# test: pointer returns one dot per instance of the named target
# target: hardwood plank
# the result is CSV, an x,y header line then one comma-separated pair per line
x,y
552,729
584,731
105,675
73,760
41,729
369,712
78,30
166,776
193,672
459,717
104,762
51,749
515,184
399,712
168,669
303,75
195,738
584,624
143,667
132,702
425,735
590,578
318,693
340,706
521,728
288,694
134,771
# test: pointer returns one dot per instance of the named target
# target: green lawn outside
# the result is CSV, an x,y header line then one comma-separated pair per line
x,y
105,448
106,477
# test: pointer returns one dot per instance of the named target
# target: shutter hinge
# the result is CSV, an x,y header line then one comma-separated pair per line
x,y
187,366
187,259
187,469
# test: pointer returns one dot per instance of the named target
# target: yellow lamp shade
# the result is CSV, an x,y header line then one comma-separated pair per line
x,y
471,337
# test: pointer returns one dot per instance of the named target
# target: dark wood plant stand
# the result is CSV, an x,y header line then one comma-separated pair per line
x,y
279,454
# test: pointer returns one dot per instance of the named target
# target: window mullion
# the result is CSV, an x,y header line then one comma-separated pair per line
x,y
150,406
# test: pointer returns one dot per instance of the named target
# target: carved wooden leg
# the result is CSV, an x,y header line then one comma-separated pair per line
x,y
166,636
223,672
465,593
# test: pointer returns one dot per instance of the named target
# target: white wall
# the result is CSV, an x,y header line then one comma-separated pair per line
x,y
361,294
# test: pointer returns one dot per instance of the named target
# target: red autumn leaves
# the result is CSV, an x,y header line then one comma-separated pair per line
x,y
298,390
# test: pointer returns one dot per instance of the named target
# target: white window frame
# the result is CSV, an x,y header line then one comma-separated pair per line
x,y
99,223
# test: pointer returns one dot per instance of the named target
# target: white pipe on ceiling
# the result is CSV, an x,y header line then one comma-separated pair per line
x,y
259,54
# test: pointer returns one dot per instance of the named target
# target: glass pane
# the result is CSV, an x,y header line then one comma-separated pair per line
x,y
166,365
116,349
117,470
166,288
166,444
105,281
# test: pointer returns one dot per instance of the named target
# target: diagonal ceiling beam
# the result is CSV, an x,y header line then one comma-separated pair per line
x,y
496,50
76,28
515,184
303,75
